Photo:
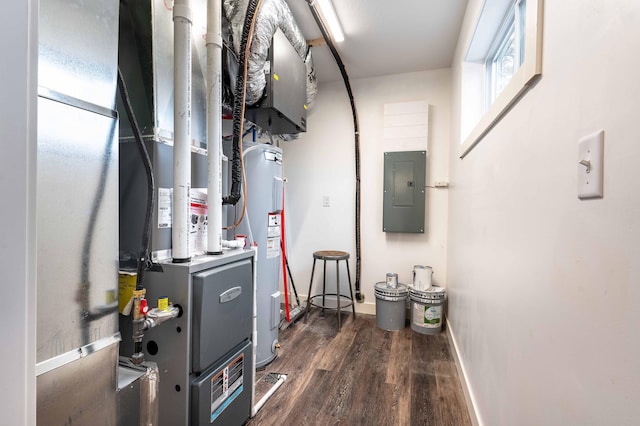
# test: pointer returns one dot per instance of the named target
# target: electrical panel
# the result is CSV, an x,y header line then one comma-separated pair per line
x,y
404,191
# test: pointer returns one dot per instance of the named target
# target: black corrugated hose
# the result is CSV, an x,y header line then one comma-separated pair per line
x,y
143,256
238,108
356,129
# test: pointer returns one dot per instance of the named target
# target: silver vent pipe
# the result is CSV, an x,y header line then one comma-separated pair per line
x,y
214,126
181,130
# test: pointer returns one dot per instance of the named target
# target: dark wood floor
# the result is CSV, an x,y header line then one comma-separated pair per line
x,y
361,376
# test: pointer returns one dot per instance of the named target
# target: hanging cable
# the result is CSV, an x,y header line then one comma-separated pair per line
x,y
356,129
143,255
237,166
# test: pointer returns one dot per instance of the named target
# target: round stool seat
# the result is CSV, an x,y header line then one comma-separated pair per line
x,y
331,255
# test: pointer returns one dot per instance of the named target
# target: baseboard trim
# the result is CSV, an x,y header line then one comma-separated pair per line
x,y
464,382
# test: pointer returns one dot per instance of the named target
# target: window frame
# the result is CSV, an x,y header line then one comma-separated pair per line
x,y
530,68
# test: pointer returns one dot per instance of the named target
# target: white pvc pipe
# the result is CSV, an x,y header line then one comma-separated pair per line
x,y
254,333
266,396
214,126
181,129
233,244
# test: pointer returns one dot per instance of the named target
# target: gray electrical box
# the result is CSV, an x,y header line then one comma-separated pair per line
x,y
404,191
283,109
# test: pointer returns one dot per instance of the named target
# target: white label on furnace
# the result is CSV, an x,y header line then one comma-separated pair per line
x,y
273,247
164,207
427,316
198,221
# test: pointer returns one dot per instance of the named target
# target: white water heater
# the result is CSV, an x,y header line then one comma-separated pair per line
x,y
263,171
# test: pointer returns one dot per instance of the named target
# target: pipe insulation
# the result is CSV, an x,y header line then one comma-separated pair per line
x,y
182,23
272,14
214,126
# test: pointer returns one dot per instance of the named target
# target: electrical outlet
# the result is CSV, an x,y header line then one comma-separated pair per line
x,y
326,201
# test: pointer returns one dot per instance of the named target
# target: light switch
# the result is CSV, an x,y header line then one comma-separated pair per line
x,y
590,166
326,201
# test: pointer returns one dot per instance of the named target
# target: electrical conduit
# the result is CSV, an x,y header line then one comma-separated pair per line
x,y
356,135
181,130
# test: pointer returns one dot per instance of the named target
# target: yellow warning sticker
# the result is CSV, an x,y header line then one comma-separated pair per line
x,y
275,76
305,106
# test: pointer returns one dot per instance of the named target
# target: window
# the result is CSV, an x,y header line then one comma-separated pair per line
x,y
502,60
507,51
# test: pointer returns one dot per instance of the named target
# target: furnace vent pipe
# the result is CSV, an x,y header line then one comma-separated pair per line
x,y
214,126
181,129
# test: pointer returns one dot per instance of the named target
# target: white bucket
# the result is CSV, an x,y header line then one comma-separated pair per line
x,y
426,310
422,277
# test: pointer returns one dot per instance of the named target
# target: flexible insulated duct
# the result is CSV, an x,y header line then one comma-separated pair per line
x,y
273,14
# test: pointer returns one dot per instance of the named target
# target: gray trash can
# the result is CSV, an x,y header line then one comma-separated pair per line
x,y
390,306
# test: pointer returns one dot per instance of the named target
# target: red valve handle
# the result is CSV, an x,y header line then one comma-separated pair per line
x,y
143,307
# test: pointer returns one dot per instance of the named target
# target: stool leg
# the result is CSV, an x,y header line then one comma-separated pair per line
x,y
306,311
324,283
353,301
338,290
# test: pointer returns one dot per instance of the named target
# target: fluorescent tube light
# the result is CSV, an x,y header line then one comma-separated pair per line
x,y
331,18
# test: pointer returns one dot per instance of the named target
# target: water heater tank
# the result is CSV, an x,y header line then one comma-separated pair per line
x,y
263,169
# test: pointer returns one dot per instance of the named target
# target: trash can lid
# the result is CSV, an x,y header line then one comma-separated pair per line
x,y
430,293
382,289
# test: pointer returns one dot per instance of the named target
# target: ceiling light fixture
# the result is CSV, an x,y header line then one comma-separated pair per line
x,y
331,19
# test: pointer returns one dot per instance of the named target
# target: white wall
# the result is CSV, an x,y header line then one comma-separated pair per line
x,y
544,289
321,163
17,211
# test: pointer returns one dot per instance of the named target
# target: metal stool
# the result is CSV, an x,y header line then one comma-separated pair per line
x,y
325,255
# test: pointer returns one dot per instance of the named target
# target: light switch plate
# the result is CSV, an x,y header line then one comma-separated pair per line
x,y
590,166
